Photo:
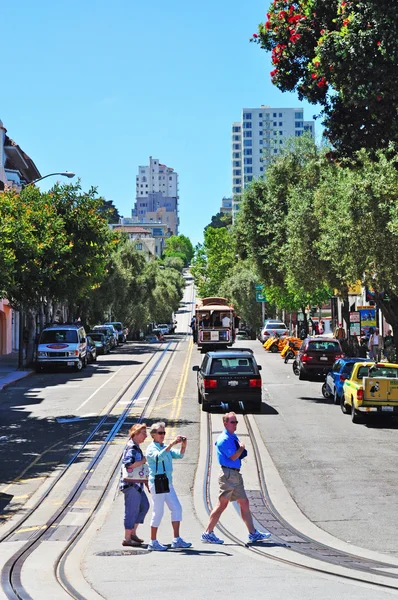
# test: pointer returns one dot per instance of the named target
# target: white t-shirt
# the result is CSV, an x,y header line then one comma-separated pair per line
x,y
226,321
375,339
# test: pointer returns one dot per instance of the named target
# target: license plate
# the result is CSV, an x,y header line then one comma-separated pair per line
x,y
70,363
323,357
233,383
387,408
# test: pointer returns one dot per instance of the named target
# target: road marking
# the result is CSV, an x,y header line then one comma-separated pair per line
x,y
177,400
97,390
20,497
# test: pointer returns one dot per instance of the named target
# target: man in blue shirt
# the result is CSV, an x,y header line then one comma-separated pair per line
x,y
230,452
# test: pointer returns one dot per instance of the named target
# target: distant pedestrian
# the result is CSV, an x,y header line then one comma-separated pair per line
x,y
339,332
389,346
321,327
375,345
194,329
160,462
136,503
230,452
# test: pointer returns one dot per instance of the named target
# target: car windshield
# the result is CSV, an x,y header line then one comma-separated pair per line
x,y
67,336
378,372
97,337
104,331
324,346
117,326
275,326
220,366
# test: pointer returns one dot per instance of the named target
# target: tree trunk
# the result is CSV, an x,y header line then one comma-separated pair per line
x,y
389,310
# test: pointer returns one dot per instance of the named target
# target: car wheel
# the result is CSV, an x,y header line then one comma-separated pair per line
x,y
288,356
326,391
199,397
345,408
85,362
274,348
79,365
301,375
356,416
296,369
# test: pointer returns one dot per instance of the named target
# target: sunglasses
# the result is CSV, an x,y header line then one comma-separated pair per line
x,y
233,422
161,432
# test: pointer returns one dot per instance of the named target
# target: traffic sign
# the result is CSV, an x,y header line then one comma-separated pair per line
x,y
260,297
259,287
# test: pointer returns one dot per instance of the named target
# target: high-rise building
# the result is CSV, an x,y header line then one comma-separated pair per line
x,y
259,137
226,206
157,195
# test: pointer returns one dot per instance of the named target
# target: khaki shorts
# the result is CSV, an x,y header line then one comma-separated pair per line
x,y
231,485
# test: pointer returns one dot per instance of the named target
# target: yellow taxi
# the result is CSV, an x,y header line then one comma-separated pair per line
x,y
371,388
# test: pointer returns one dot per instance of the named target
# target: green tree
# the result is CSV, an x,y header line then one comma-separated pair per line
x,y
174,262
342,55
220,220
239,288
213,261
110,212
179,246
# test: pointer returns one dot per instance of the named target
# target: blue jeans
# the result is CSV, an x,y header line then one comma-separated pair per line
x,y
136,506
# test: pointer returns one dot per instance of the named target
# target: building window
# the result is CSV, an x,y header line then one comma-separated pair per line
x,y
260,142
280,123
235,138
275,151
235,129
249,178
236,146
236,190
298,133
260,116
275,124
138,246
142,171
170,179
247,152
247,142
247,125
261,168
298,124
237,181
236,163
247,134
248,170
280,115
274,115
247,116
260,124
237,173
248,161
281,133
298,115
236,155
281,141
267,115
260,133
308,128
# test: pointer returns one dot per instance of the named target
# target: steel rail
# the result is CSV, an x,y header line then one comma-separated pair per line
x,y
313,548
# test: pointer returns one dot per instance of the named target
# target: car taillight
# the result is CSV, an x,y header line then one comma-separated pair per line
x,y
210,383
306,358
338,356
255,383
360,394
343,378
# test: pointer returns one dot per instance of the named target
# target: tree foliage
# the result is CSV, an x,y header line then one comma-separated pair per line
x,y
342,55
213,260
179,246
220,220
239,288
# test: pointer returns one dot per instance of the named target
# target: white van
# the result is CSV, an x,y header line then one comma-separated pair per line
x,y
62,346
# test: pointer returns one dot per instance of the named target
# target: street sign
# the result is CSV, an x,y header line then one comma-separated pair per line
x,y
260,297
259,287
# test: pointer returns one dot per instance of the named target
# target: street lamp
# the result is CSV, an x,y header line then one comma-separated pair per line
x,y
63,174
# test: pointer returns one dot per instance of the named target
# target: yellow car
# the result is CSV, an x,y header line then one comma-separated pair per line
x,y
371,388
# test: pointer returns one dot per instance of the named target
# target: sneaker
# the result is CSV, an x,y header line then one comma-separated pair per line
x,y
211,538
259,536
156,546
179,543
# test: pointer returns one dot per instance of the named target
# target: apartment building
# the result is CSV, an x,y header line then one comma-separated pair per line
x,y
226,206
157,194
257,139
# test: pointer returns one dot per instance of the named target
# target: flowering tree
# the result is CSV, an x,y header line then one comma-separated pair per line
x,y
342,55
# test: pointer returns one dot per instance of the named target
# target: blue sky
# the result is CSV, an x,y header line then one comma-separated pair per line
x,y
96,88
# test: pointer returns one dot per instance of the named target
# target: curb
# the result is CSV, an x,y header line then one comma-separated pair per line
x,y
22,375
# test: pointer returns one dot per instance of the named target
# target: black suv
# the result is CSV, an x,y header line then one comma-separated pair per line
x,y
229,377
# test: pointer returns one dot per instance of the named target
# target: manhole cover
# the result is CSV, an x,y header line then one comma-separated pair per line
x,y
123,552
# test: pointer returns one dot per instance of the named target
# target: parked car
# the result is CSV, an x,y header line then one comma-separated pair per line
x,y
102,339
370,389
62,346
152,338
229,377
121,331
114,332
273,328
335,379
108,331
164,328
242,335
316,357
91,350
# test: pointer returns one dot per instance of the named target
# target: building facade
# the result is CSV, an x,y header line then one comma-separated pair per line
x,y
148,236
157,194
257,139
16,170
226,206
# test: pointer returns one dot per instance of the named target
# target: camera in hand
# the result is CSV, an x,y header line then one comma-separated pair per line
x,y
183,439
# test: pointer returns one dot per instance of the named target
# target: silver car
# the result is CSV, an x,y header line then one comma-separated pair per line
x,y
273,328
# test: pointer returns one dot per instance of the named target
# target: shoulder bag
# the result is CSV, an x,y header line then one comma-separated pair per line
x,y
161,480
133,474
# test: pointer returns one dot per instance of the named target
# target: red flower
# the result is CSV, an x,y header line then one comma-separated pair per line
x,y
255,35
294,38
345,22
274,72
314,75
343,4
322,82
379,43
322,31
268,25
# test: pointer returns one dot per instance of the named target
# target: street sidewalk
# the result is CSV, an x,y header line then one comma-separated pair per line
x,y
9,372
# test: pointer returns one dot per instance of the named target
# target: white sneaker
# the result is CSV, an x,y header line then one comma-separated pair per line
x,y
156,546
179,543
